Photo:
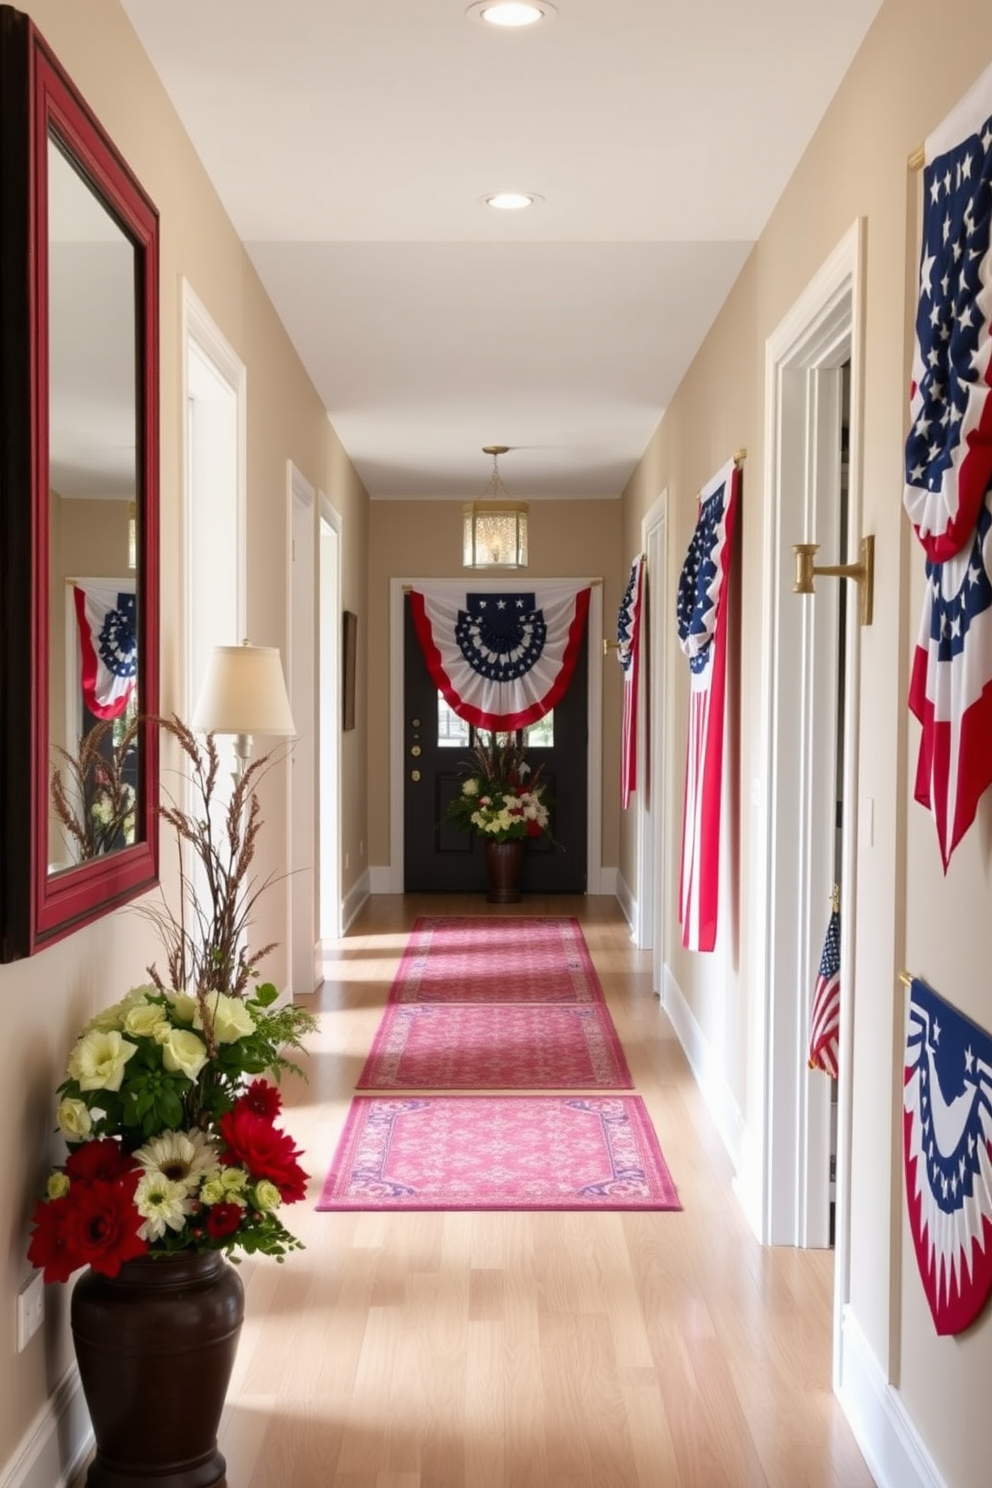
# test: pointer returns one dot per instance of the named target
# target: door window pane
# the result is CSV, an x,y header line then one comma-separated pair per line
x,y
452,731
541,735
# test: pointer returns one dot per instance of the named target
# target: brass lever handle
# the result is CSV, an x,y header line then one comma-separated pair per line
x,y
863,573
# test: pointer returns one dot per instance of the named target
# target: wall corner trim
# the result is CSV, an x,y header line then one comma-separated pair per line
x,y
705,1067
56,1443
889,1442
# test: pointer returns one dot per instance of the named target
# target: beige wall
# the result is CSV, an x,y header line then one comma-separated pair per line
x,y
907,914
423,540
48,997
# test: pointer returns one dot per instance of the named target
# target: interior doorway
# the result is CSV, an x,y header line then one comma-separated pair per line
x,y
329,899
808,757
304,954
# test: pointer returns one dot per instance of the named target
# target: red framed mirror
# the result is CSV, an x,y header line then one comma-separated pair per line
x,y
79,458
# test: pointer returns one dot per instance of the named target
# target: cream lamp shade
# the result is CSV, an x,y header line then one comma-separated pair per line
x,y
244,693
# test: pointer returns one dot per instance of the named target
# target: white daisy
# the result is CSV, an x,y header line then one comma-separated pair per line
x,y
162,1204
183,1158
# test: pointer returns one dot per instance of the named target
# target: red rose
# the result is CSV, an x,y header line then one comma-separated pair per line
x,y
94,1224
223,1220
103,1159
262,1098
48,1249
255,1144
102,1225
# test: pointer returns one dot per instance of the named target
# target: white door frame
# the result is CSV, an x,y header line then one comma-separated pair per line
x,y
787,882
594,835
304,957
652,724
329,898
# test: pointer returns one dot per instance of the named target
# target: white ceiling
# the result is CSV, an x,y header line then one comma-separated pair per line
x,y
351,142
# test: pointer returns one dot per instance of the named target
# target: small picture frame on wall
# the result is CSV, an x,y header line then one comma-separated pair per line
x,y
349,668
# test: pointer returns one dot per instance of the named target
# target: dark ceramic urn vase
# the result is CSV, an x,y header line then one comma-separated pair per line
x,y
155,1347
503,862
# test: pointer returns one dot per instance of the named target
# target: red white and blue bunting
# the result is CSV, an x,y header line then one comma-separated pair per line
x,y
629,657
108,647
947,1152
702,623
501,660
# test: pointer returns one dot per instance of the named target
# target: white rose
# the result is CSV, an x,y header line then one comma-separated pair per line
x,y
74,1120
183,1006
144,1021
99,1059
184,1052
267,1196
229,1015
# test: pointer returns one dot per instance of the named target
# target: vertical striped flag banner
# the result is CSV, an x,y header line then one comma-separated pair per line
x,y
949,469
628,654
108,647
824,1019
947,1155
702,624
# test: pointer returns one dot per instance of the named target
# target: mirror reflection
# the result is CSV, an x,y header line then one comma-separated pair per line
x,y
93,527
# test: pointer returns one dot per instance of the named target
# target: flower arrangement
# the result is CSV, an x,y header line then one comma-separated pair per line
x,y
169,1122
91,793
497,798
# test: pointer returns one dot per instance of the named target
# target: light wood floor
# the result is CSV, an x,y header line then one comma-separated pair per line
x,y
523,1350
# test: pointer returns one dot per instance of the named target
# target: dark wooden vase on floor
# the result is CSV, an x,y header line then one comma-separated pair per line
x,y
155,1347
503,861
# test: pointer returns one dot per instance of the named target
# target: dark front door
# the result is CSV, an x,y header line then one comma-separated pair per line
x,y
437,856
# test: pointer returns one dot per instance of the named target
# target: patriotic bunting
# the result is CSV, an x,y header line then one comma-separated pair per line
x,y
949,447
502,660
949,469
108,647
950,688
947,1153
702,607
628,654
824,1021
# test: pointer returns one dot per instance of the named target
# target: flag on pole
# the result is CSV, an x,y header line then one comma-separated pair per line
x,y
824,1018
108,647
950,688
701,611
949,446
947,1156
628,654
501,660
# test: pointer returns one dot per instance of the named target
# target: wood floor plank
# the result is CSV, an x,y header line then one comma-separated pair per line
x,y
531,1350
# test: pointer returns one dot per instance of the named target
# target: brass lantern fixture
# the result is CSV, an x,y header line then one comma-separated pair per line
x,y
495,528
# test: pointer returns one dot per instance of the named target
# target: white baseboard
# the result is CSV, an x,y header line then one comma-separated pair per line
x,y
705,1068
889,1442
356,897
381,881
55,1445
628,905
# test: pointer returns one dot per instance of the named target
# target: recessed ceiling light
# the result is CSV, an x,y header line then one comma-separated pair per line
x,y
512,201
513,13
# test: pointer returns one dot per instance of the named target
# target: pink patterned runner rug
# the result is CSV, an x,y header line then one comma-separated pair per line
x,y
498,1152
496,958
496,1046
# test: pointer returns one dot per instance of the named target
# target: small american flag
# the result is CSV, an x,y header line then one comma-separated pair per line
x,y
824,1020
628,654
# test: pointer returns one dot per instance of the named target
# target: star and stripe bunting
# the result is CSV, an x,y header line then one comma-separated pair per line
x,y
949,446
950,689
824,1021
701,613
501,660
108,647
947,1154
949,469
628,655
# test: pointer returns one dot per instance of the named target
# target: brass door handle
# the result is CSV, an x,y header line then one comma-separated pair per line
x,y
414,774
416,751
